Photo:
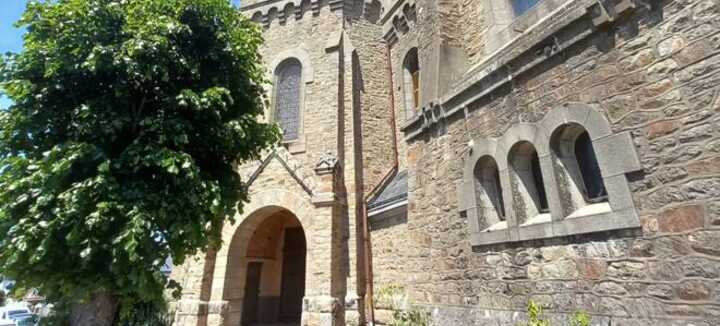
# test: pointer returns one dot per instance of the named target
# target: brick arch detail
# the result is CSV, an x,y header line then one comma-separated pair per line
x,y
229,273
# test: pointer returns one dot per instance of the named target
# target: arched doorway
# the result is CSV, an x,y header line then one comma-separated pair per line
x,y
275,264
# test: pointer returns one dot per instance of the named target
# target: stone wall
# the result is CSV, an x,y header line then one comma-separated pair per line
x,y
473,29
654,73
368,94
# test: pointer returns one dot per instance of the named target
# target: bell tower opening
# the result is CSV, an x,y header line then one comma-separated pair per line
x,y
275,277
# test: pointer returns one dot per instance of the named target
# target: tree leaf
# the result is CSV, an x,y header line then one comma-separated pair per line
x,y
128,120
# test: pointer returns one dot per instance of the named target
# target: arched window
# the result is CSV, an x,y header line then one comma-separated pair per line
x,y
288,83
528,185
589,168
583,183
411,81
574,150
539,183
488,192
522,6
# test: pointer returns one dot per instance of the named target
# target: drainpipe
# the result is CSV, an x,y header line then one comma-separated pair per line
x,y
370,308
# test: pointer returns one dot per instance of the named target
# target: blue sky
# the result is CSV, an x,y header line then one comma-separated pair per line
x,y
10,37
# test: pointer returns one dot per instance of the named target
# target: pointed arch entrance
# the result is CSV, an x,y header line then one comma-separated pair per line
x,y
268,262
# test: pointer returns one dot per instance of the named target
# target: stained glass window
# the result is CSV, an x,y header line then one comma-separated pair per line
x,y
287,98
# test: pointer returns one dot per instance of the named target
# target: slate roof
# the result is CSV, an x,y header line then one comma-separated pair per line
x,y
394,192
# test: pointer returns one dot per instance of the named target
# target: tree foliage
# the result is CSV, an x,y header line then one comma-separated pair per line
x,y
120,149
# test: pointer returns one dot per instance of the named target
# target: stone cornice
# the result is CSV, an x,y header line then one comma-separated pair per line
x,y
266,12
539,43
259,4
395,21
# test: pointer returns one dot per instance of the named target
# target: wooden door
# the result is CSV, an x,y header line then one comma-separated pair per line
x,y
293,275
252,292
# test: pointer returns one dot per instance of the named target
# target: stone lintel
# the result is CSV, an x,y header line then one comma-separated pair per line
x,y
324,199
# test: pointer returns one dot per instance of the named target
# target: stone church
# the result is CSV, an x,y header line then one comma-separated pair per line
x,y
473,155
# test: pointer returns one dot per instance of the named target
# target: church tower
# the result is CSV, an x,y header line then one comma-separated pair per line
x,y
297,252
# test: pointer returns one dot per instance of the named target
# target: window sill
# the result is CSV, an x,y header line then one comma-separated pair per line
x,y
598,220
296,146
497,227
538,219
592,209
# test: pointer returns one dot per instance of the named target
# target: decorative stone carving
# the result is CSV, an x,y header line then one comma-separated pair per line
x,y
328,162
606,11
397,20
295,169
266,12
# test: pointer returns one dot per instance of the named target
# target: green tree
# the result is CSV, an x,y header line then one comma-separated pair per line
x,y
120,149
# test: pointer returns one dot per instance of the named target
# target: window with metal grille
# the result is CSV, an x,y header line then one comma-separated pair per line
x,y
288,82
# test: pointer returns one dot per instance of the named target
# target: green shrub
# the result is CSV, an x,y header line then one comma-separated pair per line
x,y
394,297
580,318
411,317
537,318
391,296
535,315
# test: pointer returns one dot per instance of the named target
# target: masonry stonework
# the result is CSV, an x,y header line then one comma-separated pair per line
x,y
649,70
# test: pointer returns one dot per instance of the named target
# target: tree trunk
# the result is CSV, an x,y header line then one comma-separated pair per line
x,y
100,311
